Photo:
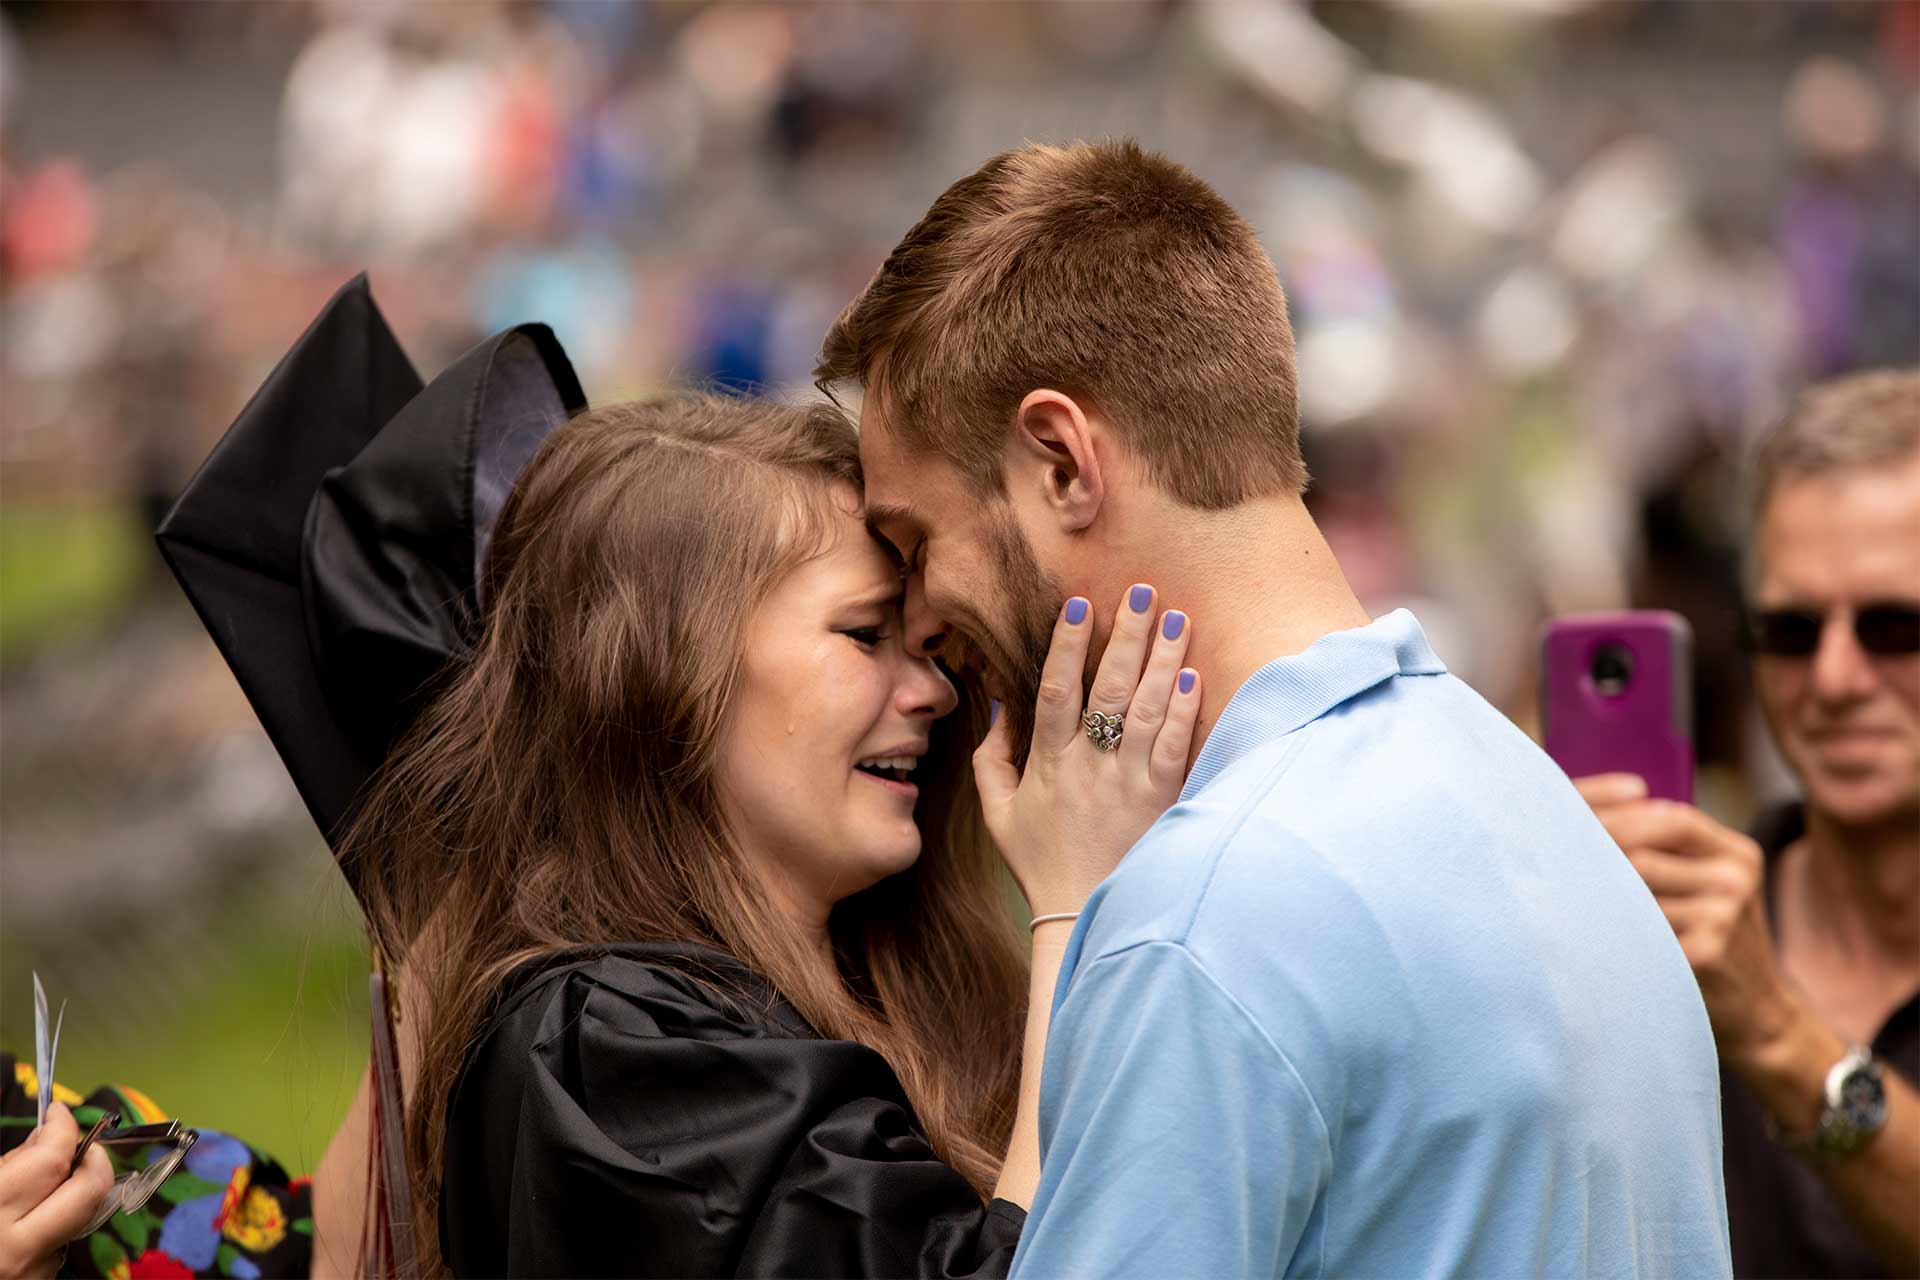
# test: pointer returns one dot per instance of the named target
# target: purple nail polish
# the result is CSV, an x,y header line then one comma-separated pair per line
x,y
1139,598
1076,611
1186,682
993,712
1173,624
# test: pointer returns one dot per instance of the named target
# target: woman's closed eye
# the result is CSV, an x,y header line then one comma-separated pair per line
x,y
866,637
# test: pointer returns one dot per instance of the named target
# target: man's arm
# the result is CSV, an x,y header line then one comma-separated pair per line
x,y
1709,881
1176,1138
1878,1185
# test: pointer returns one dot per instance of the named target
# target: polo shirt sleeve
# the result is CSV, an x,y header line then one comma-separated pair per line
x,y
1176,1137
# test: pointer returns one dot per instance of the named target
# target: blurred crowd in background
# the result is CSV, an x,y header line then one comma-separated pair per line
x,y
1552,264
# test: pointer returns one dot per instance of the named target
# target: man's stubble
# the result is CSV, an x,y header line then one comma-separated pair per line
x,y
1034,599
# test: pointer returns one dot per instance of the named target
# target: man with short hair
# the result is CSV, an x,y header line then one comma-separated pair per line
x,y
1806,936
1378,996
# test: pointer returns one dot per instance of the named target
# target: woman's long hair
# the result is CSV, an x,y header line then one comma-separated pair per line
x,y
558,788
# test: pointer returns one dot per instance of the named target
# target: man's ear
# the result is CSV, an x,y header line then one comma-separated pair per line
x,y
1053,449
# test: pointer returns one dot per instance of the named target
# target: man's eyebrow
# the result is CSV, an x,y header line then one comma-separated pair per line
x,y
881,514
885,513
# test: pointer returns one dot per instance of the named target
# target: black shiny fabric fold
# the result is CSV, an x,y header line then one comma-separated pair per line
x,y
333,541
653,1110
392,539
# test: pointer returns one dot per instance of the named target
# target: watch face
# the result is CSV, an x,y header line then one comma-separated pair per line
x,y
1862,1104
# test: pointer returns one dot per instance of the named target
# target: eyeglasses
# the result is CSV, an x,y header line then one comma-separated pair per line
x,y
1884,630
166,1145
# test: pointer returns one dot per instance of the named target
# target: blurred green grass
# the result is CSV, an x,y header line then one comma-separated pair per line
x,y
267,1045
65,565
257,1024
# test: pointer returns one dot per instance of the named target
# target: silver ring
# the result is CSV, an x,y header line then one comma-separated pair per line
x,y
1103,730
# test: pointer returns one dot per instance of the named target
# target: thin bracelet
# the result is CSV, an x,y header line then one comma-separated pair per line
x,y
1035,923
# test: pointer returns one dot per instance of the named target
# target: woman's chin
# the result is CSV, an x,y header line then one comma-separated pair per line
x,y
887,854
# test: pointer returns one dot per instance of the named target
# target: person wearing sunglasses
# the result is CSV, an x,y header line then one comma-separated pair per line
x,y
1805,934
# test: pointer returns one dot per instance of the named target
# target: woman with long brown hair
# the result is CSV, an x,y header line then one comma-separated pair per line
x,y
708,963
711,976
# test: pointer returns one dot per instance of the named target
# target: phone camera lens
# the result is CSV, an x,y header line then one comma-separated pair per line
x,y
1612,668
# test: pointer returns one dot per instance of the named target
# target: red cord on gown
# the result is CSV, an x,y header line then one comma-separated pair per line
x,y
390,1244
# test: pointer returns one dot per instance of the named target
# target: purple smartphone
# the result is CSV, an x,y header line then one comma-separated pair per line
x,y
1617,697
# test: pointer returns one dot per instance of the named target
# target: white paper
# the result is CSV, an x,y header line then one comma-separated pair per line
x,y
45,1047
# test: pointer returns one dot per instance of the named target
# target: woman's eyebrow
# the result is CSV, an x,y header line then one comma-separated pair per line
x,y
891,591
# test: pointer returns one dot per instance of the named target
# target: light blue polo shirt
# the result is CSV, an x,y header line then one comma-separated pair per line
x,y
1377,997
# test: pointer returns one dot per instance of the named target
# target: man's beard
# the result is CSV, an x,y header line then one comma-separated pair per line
x,y
1033,601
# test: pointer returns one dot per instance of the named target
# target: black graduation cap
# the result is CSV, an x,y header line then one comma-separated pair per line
x,y
333,540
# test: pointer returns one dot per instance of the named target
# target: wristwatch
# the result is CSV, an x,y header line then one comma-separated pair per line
x,y
1854,1106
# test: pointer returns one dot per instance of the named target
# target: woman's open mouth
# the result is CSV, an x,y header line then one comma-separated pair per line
x,y
892,772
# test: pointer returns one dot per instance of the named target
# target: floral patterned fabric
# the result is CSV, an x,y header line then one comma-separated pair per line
x,y
227,1211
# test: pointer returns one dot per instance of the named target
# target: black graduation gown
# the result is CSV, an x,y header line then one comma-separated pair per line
x,y
619,1116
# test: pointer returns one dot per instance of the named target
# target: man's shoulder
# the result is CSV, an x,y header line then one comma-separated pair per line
x,y
1350,847
1223,856
1349,796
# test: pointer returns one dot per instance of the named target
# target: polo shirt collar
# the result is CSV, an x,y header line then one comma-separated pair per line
x,y
1297,690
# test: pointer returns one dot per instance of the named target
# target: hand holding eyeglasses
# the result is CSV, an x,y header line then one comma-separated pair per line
x,y
58,1186
49,1192
165,1145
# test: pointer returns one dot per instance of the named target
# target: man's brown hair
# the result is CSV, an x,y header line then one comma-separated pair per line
x,y
1861,420
1097,269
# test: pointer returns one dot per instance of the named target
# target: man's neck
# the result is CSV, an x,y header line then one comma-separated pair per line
x,y
1862,884
1259,582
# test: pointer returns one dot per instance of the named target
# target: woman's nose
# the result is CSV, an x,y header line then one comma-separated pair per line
x,y
926,690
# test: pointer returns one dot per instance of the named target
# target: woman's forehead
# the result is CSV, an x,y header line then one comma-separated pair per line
x,y
851,567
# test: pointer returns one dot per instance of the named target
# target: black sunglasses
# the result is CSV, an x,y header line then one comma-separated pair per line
x,y
1884,630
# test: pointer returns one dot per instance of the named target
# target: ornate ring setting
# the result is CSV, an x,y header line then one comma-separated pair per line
x,y
1103,730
